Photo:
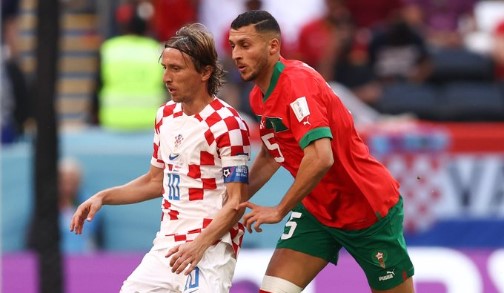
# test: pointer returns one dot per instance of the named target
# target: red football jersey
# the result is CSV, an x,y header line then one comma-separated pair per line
x,y
300,107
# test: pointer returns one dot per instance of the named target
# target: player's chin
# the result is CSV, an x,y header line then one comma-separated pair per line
x,y
176,98
247,77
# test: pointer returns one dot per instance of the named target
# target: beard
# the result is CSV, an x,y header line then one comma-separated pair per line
x,y
256,70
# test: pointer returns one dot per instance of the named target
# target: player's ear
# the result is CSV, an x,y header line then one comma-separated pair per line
x,y
274,46
206,72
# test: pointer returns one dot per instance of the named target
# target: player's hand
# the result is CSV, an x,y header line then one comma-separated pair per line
x,y
259,215
85,211
185,257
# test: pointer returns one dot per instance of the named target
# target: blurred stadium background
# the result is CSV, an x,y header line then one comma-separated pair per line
x,y
443,139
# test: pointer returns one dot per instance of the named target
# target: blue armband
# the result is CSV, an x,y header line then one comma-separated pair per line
x,y
235,174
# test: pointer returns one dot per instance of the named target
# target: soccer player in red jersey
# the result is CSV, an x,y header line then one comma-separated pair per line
x,y
341,195
198,168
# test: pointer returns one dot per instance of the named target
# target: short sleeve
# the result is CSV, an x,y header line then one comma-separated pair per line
x,y
156,159
308,119
234,144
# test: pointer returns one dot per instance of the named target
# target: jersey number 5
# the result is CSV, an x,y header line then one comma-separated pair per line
x,y
274,147
291,225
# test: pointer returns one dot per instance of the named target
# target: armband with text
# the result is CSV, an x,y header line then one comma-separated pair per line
x,y
235,174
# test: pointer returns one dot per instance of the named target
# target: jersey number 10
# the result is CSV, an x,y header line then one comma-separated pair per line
x,y
173,186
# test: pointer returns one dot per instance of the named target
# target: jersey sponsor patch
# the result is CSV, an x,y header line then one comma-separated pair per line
x,y
300,108
235,174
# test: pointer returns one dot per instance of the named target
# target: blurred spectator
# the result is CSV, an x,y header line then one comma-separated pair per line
x,y
331,46
130,88
444,23
498,51
70,196
170,15
15,105
291,16
399,54
487,14
226,48
216,15
235,91
370,14
14,100
10,11
326,36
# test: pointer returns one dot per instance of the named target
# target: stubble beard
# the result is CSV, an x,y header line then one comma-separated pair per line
x,y
261,65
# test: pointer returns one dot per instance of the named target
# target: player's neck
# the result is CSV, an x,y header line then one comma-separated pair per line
x,y
196,105
263,81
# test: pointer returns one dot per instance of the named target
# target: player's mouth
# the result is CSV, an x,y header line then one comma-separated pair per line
x,y
242,68
171,90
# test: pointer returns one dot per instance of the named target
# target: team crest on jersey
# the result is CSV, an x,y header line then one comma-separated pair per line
x,y
178,140
300,108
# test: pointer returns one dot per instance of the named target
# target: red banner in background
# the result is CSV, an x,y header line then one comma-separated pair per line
x,y
475,137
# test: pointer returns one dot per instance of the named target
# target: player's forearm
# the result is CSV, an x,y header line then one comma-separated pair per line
x,y
226,218
140,189
263,168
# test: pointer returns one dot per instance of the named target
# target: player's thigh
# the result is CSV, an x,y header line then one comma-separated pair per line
x,y
296,267
153,274
216,269
213,273
404,287
303,250
381,251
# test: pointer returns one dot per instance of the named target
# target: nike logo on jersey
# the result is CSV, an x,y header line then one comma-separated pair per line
x,y
173,156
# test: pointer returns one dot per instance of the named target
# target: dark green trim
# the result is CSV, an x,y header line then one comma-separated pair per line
x,y
315,134
279,67
275,124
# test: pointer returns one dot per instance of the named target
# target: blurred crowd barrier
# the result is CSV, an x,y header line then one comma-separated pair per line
x,y
451,176
437,270
452,181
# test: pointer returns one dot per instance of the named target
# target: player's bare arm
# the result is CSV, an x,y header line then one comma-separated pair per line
x,y
145,187
316,162
186,256
263,168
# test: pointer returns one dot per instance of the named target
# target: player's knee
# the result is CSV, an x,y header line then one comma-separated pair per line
x,y
277,285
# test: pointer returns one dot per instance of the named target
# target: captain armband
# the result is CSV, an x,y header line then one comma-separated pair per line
x,y
235,174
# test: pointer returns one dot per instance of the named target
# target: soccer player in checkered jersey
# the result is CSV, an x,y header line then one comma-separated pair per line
x,y
341,196
199,167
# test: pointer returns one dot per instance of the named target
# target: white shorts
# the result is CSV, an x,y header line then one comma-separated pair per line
x,y
213,273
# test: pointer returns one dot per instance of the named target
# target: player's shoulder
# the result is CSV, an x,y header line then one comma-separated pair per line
x,y
168,108
219,110
229,115
297,72
223,108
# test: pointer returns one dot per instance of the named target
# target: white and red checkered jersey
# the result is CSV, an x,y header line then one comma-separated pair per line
x,y
193,150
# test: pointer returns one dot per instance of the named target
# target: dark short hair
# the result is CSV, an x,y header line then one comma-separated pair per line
x,y
262,20
195,41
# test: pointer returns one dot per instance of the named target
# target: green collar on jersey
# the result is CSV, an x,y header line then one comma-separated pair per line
x,y
277,70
